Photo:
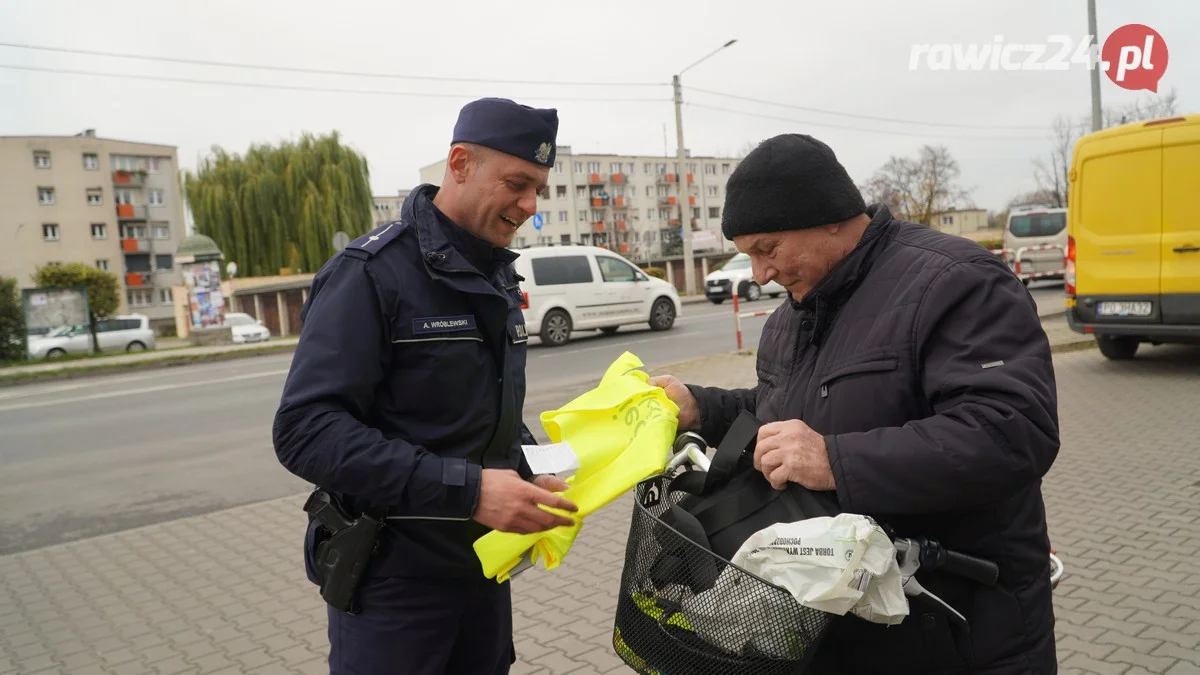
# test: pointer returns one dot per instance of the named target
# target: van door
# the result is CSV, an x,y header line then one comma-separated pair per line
x,y
624,296
1118,234
1181,226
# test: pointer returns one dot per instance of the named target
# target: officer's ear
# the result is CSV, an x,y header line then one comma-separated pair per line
x,y
460,163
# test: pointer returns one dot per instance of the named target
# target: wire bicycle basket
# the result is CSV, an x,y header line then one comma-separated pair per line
x,y
683,609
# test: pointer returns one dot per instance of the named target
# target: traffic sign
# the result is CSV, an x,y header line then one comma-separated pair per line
x,y
537,221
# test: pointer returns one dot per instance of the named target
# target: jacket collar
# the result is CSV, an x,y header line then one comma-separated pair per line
x,y
437,241
839,284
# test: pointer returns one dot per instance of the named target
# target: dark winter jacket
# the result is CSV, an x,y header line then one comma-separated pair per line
x,y
921,360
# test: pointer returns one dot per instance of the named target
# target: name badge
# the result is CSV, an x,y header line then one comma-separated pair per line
x,y
443,324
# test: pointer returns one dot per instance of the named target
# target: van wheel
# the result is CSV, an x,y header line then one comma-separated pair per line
x,y
556,328
753,292
135,346
662,315
1117,347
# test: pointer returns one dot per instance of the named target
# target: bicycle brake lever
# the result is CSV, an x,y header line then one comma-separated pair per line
x,y
908,556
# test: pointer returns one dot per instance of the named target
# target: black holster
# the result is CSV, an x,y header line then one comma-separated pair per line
x,y
341,550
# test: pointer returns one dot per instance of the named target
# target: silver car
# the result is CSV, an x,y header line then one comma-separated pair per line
x,y
127,332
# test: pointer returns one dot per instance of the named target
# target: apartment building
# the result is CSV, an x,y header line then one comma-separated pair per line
x,y
113,204
627,203
387,209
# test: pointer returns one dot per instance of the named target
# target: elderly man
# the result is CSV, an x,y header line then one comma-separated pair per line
x,y
403,406
909,373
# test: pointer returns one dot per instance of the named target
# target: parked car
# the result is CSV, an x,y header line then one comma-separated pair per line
x,y
129,333
719,285
1133,247
246,328
570,288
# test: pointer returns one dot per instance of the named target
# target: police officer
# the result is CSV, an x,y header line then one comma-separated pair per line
x,y
405,397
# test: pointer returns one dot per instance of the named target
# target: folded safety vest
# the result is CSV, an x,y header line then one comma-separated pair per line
x,y
622,432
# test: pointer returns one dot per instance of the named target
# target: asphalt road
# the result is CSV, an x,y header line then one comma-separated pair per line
x,y
103,454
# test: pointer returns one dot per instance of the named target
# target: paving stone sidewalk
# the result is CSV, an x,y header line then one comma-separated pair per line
x,y
225,593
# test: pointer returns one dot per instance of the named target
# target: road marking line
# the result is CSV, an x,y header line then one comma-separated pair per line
x,y
143,390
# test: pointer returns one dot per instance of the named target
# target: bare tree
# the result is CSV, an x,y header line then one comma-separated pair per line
x,y
916,189
1142,109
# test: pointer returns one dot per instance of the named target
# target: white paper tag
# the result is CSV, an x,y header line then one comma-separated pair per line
x,y
556,458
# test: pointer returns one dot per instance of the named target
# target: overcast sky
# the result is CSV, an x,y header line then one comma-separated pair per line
x,y
851,58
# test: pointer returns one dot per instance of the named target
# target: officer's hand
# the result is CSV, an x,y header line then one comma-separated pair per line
x,y
509,504
680,395
790,451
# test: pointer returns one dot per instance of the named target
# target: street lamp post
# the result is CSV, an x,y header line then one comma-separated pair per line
x,y
1096,114
689,265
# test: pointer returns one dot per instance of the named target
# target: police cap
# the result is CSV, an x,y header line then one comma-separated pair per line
x,y
512,128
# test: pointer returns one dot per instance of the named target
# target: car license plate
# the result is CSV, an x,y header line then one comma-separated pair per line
x,y
1123,309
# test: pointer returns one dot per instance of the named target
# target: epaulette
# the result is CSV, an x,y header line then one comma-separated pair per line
x,y
373,242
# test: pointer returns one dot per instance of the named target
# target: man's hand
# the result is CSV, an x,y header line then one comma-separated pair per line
x,y
551,483
680,395
509,504
790,451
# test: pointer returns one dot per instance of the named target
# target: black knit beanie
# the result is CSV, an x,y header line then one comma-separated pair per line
x,y
789,182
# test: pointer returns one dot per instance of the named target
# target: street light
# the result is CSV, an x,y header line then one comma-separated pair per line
x,y
1096,118
689,266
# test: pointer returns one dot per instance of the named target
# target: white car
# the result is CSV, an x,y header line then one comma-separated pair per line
x,y
128,332
570,288
246,328
719,285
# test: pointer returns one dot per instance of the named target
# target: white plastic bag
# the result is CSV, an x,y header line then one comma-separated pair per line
x,y
839,564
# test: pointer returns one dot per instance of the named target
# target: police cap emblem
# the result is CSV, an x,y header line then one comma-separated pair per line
x,y
543,153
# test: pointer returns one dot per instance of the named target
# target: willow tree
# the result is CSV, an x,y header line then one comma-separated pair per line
x,y
278,207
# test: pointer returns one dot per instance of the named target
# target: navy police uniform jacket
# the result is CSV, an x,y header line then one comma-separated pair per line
x,y
397,385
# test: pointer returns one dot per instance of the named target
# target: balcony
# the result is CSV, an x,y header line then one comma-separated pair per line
x,y
598,227
135,279
672,200
665,178
691,178
131,212
599,201
135,245
692,200
122,178
617,178
623,248
620,225
619,202
596,179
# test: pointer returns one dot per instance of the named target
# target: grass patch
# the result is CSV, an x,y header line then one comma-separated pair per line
x,y
112,364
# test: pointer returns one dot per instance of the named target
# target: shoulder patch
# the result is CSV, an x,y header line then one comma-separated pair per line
x,y
374,241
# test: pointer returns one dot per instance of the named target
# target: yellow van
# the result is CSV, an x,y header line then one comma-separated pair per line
x,y
1133,246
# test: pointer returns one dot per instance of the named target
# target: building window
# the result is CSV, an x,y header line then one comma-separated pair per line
x,y
164,296
133,231
714,212
580,192
95,197
710,169
664,191
661,169
593,167
123,196
562,216
559,167
583,216
565,240
615,167
578,167
50,232
140,297
560,191
90,162
649,190
99,231
160,230
54,263
713,190
102,265
651,214
156,198
125,163
152,164
41,159
725,168
545,193
696,212
163,262
46,196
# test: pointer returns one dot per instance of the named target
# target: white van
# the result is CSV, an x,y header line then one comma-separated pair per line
x,y
1038,226
569,288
